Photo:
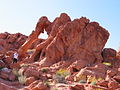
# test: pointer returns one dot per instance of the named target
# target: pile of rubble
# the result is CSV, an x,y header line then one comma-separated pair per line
x,y
73,57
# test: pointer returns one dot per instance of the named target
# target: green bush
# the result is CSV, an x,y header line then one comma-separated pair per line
x,y
44,70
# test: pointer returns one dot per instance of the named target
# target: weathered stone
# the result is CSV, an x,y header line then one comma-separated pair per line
x,y
71,77
8,60
98,71
94,87
36,85
77,65
109,55
3,35
78,87
4,73
61,86
1,56
31,71
112,72
29,80
40,86
117,78
2,64
6,70
103,83
49,76
11,41
113,84
6,87
12,77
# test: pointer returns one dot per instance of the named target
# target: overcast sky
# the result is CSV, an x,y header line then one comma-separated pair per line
x,y
22,15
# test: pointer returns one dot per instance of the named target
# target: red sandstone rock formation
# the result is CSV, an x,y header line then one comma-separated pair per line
x,y
75,40
68,40
76,46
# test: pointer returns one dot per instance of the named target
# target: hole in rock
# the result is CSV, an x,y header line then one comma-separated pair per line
x,y
43,35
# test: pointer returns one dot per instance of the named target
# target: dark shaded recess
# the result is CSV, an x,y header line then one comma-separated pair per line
x,y
75,70
37,56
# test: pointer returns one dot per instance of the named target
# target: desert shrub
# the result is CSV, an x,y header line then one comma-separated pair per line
x,y
15,71
47,83
80,77
44,70
82,81
20,72
87,79
93,83
106,63
60,75
93,80
24,65
59,79
22,79
63,72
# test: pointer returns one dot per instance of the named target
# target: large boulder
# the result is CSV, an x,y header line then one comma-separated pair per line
x,y
32,71
98,71
2,64
6,87
109,54
29,80
4,73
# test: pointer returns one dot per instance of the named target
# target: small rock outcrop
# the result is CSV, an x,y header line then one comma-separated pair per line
x,y
11,41
109,54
